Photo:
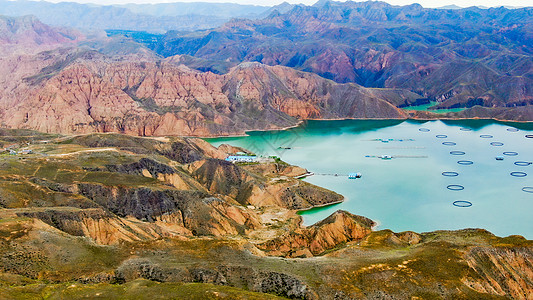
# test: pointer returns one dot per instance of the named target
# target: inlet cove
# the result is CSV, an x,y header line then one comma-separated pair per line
x,y
419,176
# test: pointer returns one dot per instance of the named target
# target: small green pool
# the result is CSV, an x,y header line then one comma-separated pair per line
x,y
425,107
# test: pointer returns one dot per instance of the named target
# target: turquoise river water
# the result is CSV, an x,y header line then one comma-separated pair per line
x,y
409,191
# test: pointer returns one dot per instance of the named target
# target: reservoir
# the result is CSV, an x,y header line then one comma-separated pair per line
x,y
419,176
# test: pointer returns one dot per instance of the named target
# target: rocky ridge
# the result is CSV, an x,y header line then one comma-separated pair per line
x,y
460,58
159,98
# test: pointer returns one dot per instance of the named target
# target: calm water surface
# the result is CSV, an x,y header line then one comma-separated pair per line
x,y
409,192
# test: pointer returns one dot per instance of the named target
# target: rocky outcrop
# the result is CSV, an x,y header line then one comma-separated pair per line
x,y
196,211
238,276
162,172
153,168
107,229
305,196
223,177
110,214
340,227
247,188
503,271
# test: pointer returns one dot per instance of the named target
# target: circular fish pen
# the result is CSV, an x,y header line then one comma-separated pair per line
x,y
496,144
518,174
455,187
522,163
457,152
441,136
450,174
529,136
465,129
462,203
465,162
486,136
424,130
449,143
513,129
528,189
510,153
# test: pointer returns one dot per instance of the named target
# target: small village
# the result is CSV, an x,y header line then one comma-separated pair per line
x,y
16,149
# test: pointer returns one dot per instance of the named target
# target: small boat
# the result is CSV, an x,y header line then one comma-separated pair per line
x,y
499,157
354,175
385,157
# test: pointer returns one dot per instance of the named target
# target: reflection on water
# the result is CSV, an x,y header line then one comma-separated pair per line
x,y
409,192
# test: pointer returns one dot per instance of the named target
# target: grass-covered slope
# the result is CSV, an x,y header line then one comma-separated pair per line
x,y
114,216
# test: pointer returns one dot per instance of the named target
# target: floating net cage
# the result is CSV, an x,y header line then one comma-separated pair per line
x,y
510,153
392,140
449,143
424,130
465,129
522,163
528,189
441,136
455,187
450,174
465,162
457,152
497,144
513,129
518,174
529,136
462,203
486,136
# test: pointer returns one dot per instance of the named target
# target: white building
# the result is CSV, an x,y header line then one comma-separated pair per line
x,y
241,158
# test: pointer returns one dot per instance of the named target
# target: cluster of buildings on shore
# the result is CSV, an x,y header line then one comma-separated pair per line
x,y
14,149
241,157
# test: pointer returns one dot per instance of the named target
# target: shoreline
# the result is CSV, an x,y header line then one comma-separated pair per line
x,y
360,119
322,205
300,122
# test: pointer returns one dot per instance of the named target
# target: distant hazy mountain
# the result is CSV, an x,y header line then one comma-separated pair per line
x,y
26,35
460,57
153,18
280,8
452,6
222,10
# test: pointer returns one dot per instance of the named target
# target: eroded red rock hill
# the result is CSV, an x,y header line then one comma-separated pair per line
x,y
86,92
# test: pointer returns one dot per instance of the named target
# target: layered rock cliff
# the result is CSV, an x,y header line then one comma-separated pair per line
x,y
503,271
339,228
91,93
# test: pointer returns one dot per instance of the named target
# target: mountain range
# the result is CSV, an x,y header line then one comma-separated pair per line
x,y
459,57
329,61
146,17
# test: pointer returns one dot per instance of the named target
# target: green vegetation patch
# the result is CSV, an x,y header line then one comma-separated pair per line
x,y
138,289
